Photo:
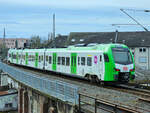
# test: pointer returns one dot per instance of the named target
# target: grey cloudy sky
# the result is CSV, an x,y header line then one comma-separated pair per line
x,y
24,18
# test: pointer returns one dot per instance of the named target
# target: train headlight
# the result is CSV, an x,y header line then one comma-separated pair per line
x,y
131,70
116,69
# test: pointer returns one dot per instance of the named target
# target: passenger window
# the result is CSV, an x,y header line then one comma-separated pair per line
x,y
46,58
50,59
58,60
89,61
144,49
82,60
106,58
75,60
42,58
39,58
67,61
32,57
100,58
78,60
140,49
63,60
29,57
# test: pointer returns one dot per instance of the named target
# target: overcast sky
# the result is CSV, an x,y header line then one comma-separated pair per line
x,y
24,18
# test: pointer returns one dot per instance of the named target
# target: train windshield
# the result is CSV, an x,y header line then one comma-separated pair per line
x,y
122,56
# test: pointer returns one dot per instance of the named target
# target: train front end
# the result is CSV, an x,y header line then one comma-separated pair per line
x,y
124,64
119,64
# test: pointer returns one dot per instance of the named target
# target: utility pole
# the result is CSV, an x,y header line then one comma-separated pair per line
x,y
116,37
54,44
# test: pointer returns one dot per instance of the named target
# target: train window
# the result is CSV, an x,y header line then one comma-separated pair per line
x,y
42,58
39,58
59,59
82,60
100,58
33,57
30,57
67,61
144,49
50,59
63,60
19,56
9,55
89,61
75,59
106,58
46,58
78,60
140,49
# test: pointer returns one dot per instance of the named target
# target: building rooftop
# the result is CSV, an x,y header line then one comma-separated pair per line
x,y
131,39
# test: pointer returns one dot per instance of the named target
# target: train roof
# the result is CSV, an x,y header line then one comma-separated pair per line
x,y
102,47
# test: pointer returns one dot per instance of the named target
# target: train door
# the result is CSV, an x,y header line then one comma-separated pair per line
x,y
102,66
26,58
36,59
54,62
73,63
101,62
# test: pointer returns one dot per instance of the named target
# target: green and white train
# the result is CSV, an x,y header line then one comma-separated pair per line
x,y
102,62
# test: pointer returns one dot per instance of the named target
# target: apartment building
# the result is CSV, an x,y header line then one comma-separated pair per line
x,y
14,42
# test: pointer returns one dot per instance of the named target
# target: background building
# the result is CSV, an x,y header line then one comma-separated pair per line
x,y
14,42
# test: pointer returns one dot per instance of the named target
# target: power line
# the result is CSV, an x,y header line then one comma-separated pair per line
x,y
134,19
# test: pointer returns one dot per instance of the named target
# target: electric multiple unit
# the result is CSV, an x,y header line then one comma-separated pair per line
x,y
102,62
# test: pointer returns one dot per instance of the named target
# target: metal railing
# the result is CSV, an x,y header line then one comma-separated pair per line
x,y
100,105
54,88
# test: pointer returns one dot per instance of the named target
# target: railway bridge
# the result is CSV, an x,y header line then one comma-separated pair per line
x,y
38,94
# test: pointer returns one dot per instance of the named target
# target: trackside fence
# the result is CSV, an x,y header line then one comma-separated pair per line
x,y
58,89
100,105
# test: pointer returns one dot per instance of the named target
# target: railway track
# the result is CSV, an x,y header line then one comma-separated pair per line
x,y
133,88
142,93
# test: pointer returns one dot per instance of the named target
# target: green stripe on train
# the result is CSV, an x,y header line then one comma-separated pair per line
x,y
54,65
26,59
36,59
73,63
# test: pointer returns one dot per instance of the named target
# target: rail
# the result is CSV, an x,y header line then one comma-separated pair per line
x,y
54,88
